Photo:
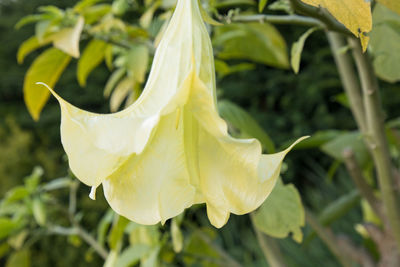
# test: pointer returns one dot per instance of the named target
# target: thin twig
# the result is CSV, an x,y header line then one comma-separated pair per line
x,y
376,137
59,230
320,14
280,19
328,238
269,248
77,229
92,242
224,255
359,180
358,254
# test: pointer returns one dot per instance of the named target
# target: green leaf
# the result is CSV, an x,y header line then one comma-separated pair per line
x,y
4,249
177,236
121,91
233,3
95,13
103,226
112,81
39,211
207,18
85,4
258,42
385,42
223,69
32,181
21,258
393,5
91,57
54,11
196,245
317,139
16,194
32,19
147,17
242,120
152,259
7,226
261,5
29,46
281,213
353,140
46,68
111,259
132,255
41,29
339,207
117,231
108,56
137,61
297,49
58,183
144,234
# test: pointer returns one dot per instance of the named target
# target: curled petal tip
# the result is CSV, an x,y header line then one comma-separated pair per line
x,y
51,90
92,193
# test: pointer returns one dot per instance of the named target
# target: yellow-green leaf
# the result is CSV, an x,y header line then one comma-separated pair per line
x,y
137,61
147,17
177,236
46,68
120,93
393,5
39,211
19,258
261,5
29,46
207,18
355,15
297,49
92,56
259,42
282,213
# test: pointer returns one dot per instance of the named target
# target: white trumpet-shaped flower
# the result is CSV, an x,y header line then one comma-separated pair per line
x,y
170,149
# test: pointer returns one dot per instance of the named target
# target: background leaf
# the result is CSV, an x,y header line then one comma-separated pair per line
x,y
20,258
243,121
91,57
46,68
261,5
259,42
386,60
297,49
281,213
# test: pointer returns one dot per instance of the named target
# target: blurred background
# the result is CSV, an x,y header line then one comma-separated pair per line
x,y
286,105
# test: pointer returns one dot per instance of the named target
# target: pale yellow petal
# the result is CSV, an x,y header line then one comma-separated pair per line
x,y
234,176
67,40
153,186
98,144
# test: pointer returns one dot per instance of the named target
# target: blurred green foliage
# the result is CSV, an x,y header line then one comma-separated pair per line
x,y
281,104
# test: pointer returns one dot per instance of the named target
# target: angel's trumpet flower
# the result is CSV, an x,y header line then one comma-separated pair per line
x,y
170,149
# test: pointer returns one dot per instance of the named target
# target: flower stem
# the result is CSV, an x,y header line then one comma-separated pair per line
x,y
349,79
376,137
